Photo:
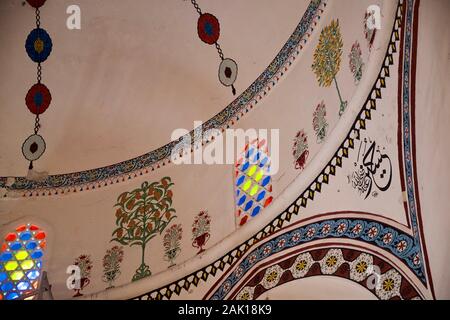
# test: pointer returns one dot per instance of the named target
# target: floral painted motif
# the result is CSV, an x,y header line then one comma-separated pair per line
x,y
338,262
327,58
141,215
111,265
390,285
171,243
320,123
369,33
272,276
332,261
85,264
246,294
300,150
200,230
355,61
360,266
301,265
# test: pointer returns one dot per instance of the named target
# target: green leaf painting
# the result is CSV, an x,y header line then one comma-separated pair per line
x,y
327,58
141,215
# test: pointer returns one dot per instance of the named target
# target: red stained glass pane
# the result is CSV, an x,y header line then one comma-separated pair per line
x,y
243,220
10,237
34,227
4,247
43,244
40,235
268,201
21,228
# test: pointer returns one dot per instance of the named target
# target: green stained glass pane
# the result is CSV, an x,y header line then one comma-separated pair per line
x,y
27,264
11,265
254,190
252,170
21,255
247,185
259,175
16,275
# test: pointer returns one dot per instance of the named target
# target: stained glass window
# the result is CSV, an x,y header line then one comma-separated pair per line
x,y
21,262
252,181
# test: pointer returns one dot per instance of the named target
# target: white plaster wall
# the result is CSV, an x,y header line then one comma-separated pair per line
x,y
433,152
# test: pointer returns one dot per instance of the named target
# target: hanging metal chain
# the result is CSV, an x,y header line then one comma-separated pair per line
x,y
219,50
37,125
38,18
196,7
39,72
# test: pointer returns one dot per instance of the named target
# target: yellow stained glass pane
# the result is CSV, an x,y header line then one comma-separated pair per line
x,y
16,275
252,170
11,265
259,175
254,190
247,185
29,298
21,255
27,264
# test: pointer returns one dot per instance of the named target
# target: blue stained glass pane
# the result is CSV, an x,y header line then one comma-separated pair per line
x,y
6,256
257,156
37,254
12,296
249,152
265,181
7,286
242,200
238,192
23,285
256,210
245,166
25,236
263,162
3,276
31,245
261,195
34,274
38,264
248,205
240,180
16,246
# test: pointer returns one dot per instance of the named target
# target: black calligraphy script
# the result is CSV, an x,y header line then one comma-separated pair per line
x,y
375,169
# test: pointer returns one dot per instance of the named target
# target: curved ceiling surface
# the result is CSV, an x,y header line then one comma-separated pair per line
x,y
130,76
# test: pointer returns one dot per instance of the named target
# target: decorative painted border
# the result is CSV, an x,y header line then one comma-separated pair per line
x,y
100,177
406,125
393,241
345,263
316,186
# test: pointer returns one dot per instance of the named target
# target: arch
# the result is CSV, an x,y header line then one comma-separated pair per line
x,y
21,259
252,181
359,266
